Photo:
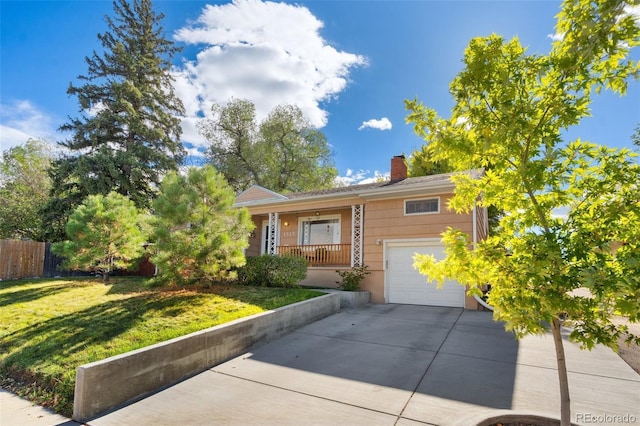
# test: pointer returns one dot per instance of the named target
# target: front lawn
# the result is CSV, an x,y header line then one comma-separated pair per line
x,y
49,327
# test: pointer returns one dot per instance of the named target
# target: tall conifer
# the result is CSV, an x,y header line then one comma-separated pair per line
x,y
128,133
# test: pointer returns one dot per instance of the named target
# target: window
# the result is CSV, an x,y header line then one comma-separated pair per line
x,y
321,230
431,205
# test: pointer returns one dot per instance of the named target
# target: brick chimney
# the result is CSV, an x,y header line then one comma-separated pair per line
x,y
398,168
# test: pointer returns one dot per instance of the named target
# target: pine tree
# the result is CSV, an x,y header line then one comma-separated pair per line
x,y
105,234
199,236
128,133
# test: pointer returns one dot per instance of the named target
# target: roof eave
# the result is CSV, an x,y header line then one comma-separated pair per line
x,y
391,191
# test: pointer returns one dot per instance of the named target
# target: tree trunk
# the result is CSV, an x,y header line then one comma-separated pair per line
x,y
565,402
105,276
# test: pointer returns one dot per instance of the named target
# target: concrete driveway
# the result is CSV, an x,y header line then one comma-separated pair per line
x,y
395,365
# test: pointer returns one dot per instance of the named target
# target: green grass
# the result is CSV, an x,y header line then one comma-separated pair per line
x,y
49,327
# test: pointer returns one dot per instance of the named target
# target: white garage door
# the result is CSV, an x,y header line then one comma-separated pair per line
x,y
406,285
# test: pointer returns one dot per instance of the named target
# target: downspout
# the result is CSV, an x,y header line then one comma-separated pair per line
x,y
475,242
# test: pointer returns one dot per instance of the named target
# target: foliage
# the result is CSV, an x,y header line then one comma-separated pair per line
x,y
199,236
283,153
49,327
128,134
104,234
572,210
421,164
24,190
269,270
351,279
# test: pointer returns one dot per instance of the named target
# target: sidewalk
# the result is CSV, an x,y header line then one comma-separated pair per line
x,y
15,411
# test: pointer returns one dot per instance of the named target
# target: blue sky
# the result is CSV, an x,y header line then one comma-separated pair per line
x,y
348,64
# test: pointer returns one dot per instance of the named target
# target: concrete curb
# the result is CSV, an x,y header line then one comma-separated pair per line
x,y
107,384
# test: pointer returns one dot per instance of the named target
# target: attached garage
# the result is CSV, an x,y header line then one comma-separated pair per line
x,y
403,284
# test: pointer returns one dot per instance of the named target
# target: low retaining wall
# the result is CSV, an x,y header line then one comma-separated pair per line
x,y
351,299
107,384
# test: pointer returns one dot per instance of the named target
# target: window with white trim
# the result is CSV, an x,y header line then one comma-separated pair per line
x,y
426,206
320,230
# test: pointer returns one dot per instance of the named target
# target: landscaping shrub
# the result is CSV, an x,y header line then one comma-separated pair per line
x,y
351,279
273,271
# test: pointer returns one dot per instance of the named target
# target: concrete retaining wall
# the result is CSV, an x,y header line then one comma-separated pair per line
x,y
351,299
107,384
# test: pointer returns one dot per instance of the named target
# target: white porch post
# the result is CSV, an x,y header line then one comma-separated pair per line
x,y
272,237
356,234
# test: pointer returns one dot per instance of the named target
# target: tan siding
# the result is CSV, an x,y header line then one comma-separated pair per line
x,y
254,239
385,220
289,233
254,193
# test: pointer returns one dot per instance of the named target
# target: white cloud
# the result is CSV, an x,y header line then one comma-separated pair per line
x,y
556,36
270,53
361,177
21,121
382,124
561,213
96,109
633,11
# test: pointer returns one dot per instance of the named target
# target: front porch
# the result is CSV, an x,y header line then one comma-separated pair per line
x,y
318,255
325,238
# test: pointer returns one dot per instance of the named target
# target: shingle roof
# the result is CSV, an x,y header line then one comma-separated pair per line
x,y
405,184
445,177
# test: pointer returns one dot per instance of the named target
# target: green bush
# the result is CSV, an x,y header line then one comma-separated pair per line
x,y
351,279
273,271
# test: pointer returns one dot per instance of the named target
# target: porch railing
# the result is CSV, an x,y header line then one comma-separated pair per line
x,y
320,254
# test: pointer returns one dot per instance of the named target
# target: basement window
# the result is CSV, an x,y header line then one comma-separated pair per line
x,y
427,206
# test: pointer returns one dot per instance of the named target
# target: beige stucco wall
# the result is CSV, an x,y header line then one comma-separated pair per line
x,y
322,277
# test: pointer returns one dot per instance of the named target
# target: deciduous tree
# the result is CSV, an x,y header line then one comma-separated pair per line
x,y
199,236
105,233
128,134
24,190
567,251
282,153
420,163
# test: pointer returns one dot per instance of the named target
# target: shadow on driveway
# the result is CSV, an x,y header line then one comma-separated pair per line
x,y
393,365
380,352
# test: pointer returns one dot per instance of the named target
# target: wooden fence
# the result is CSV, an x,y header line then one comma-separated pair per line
x,y
21,259
29,259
